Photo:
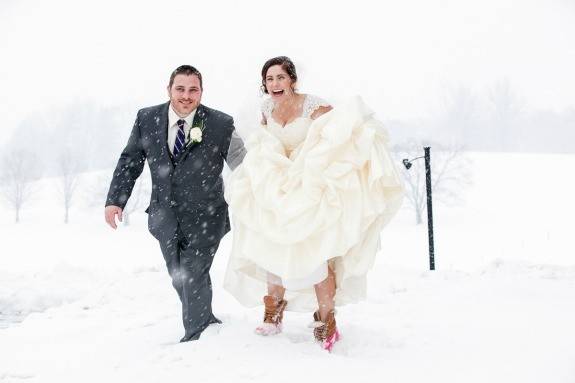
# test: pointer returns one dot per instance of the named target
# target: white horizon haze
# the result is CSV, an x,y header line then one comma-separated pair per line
x,y
398,56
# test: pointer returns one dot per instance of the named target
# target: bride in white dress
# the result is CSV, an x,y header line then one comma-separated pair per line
x,y
308,203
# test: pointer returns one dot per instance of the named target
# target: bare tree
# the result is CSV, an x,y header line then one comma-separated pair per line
x,y
138,200
99,131
450,173
68,169
460,115
97,189
507,107
18,170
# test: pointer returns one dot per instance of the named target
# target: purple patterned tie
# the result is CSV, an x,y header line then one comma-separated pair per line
x,y
180,139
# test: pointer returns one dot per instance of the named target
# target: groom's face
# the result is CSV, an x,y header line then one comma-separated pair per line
x,y
185,94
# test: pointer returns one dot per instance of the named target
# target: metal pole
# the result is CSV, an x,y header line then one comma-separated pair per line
x,y
429,208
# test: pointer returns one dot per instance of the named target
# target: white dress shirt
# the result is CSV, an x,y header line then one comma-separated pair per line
x,y
173,126
236,150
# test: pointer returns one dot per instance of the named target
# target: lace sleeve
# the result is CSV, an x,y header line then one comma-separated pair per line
x,y
311,104
236,151
267,107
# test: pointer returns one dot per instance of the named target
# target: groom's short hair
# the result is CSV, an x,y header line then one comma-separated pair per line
x,y
187,70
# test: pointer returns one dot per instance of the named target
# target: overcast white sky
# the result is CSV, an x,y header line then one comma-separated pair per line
x,y
398,55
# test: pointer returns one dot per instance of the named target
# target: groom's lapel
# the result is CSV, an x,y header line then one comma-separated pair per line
x,y
199,122
162,131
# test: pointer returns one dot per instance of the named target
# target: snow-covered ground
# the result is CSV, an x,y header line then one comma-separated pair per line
x,y
82,303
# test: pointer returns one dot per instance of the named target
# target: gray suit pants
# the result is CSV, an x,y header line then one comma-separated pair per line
x,y
189,268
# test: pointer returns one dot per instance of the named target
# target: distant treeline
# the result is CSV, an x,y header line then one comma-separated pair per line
x,y
94,136
495,120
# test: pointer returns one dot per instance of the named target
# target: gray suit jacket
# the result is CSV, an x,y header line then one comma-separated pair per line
x,y
187,191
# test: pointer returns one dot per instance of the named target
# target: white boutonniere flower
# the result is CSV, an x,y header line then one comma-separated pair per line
x,y
196,135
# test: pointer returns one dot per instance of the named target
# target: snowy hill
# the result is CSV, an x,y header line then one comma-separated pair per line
x,y
80,302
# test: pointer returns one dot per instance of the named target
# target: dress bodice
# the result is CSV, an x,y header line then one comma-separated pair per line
x,y
293,133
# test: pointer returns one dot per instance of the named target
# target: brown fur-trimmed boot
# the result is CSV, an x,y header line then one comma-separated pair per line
x,y
274,311
325,332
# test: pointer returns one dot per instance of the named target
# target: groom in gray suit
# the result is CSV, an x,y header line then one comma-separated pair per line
x,y
185,144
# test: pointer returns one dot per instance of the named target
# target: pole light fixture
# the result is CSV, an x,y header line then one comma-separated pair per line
x,y
408,163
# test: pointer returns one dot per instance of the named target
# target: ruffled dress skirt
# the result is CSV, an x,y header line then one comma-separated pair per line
x,y
323,205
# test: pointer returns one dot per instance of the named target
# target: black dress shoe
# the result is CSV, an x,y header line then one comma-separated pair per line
x,y
215,320
196,336
190,337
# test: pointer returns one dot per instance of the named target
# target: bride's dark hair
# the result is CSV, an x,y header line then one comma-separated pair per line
x,y
286,65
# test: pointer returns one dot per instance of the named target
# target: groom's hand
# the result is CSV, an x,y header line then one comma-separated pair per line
x,y
110,214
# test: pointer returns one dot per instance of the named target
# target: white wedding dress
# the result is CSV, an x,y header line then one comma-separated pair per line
x,y
309,194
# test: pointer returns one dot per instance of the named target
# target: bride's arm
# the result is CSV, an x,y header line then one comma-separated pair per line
x,y
319,111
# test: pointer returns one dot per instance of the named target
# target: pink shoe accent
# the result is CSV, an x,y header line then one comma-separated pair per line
x,y
266,329
328,343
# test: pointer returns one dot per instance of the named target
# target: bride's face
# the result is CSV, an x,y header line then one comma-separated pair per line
x,y
278,83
